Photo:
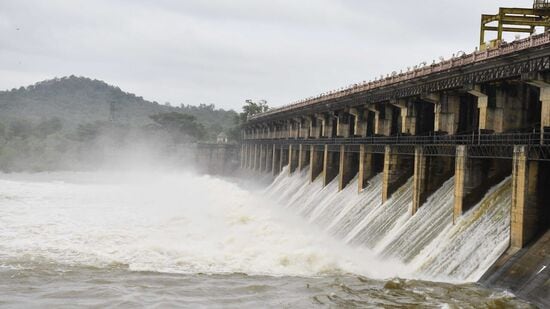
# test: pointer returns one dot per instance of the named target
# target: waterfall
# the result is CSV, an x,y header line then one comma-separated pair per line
x,y
468,248
383,219
429,221
427,243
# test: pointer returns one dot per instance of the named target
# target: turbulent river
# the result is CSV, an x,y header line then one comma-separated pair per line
x,y
170,239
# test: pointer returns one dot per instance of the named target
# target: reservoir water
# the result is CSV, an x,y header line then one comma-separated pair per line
x,y
167,238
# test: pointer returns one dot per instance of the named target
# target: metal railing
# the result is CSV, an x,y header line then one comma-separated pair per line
x,y
505,139
541,4
454,62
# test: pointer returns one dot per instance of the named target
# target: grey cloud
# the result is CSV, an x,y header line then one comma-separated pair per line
x,y
224,52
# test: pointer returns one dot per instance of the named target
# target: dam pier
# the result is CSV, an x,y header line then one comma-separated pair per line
x,y
477,118
480,118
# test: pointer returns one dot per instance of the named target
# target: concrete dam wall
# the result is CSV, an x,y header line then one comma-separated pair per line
x,y
444,168
426,245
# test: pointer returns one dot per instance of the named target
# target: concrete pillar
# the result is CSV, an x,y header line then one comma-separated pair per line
x,y
330,165
276,163
327,123
342,124
256,160
261,165
303,157
288,129
366,166
316,163
408,116
486,115
268,166
397,170
242,157
545,110
305,126
315,127
446,112
245,163
461,177
295,128
545,106
473,178
348,167
249,156
275,133
293,158
321,120
327,127
284,158
502,112
527,208
511,106
218,159
255,157
429,174
383,120
252,157
360,121
419,178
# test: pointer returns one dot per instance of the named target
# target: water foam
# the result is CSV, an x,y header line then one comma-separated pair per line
x,y
199,224
163,222
427,244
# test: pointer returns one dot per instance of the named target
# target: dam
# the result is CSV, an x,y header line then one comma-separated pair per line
x,y
455,150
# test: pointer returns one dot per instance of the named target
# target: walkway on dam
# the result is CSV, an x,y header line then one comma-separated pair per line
x,y
479,117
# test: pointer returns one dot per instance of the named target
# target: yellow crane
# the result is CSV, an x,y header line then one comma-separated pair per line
x,y
515,20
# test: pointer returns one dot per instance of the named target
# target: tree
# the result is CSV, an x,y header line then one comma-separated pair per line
x,y
20,128
48,127
252,108
180,125
88,132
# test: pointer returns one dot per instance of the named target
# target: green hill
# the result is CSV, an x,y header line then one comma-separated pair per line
x,y
79,100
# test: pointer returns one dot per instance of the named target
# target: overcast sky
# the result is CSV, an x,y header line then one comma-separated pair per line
x,y
226,51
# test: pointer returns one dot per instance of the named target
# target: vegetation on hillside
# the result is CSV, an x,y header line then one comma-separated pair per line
x,y
181,127
75,122
78,100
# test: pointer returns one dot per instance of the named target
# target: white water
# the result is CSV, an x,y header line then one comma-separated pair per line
x,y
177,223
427,244
183,223
466,250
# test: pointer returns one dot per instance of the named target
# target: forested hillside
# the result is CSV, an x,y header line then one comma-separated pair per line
x,y
75,122
78,100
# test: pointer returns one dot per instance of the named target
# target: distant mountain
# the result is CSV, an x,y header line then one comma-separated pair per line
x,y
79,100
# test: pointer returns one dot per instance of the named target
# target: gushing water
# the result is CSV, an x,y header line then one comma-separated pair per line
x,y
183,240
427,243
178,223
466,250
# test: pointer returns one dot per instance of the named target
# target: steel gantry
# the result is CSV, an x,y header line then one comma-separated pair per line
x,y
514,20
